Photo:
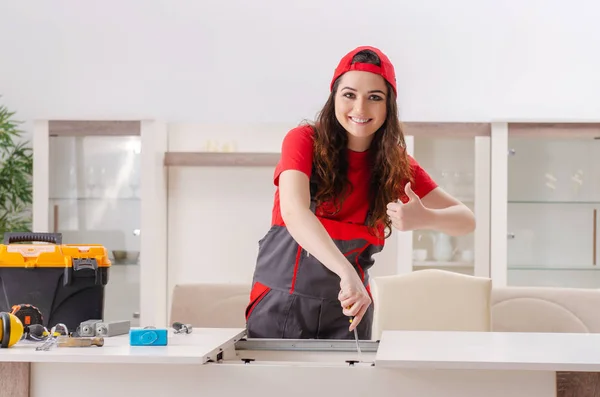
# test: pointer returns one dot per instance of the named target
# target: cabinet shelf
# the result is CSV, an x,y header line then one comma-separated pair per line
x,y
557,268
221,159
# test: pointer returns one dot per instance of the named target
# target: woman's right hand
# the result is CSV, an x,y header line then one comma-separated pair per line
x,y
353,297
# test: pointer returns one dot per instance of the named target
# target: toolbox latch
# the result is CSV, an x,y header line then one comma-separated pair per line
x,y
85,263
81,267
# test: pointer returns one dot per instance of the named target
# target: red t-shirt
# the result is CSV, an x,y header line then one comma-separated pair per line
x,y
297,154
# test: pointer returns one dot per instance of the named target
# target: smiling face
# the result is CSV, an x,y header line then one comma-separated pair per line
x,y
360,107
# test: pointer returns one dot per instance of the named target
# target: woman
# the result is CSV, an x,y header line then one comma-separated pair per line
x,y
342,183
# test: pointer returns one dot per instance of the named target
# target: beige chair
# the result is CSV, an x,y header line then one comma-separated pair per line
x,y
210,305
431,300
545,309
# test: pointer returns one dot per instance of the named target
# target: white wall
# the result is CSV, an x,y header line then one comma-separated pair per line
x,y
217,215
271,61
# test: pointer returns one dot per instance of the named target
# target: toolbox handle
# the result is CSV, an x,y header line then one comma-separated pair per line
x,y
20,237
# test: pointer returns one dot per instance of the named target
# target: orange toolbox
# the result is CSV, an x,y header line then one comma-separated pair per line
x,y
65,282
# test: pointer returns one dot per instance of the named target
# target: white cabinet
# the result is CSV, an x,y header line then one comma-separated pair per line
x,y
87,186
457,156
550,195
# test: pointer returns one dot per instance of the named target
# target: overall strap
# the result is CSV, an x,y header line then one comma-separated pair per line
x,y
313,192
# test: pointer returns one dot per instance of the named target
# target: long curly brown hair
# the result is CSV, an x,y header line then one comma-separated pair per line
x,y
387,154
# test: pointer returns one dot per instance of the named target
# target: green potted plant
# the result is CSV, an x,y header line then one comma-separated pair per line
x,y
16,171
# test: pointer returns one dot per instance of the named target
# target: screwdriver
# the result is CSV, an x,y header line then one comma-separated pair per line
x,y
356,339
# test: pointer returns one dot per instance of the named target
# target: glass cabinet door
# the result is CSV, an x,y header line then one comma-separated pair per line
x,y
553,201
451,163
94,199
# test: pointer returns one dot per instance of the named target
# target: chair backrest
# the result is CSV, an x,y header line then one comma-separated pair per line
x,y
210,305
431,300
545,309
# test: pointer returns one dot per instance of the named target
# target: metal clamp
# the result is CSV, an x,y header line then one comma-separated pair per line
x,y
181,328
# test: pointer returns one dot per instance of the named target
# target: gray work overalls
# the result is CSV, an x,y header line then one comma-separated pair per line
x,y
295,296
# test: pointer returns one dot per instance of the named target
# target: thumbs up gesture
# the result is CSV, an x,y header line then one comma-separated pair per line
x,y
410,215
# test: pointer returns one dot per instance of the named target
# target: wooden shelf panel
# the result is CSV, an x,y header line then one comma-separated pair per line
x,y
94,128
555,130
446,129
221,159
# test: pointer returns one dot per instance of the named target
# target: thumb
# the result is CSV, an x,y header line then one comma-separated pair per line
x,y
409,192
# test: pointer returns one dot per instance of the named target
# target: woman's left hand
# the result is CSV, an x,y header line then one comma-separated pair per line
x,y
408,216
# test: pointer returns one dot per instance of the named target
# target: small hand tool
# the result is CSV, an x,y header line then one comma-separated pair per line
x,y
68,341
181,328
356,339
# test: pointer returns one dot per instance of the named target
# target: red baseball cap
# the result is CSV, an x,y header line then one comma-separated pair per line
x,y
386,70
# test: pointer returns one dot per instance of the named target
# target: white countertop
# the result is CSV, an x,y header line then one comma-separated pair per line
x,y
489,350
193,348
397,349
